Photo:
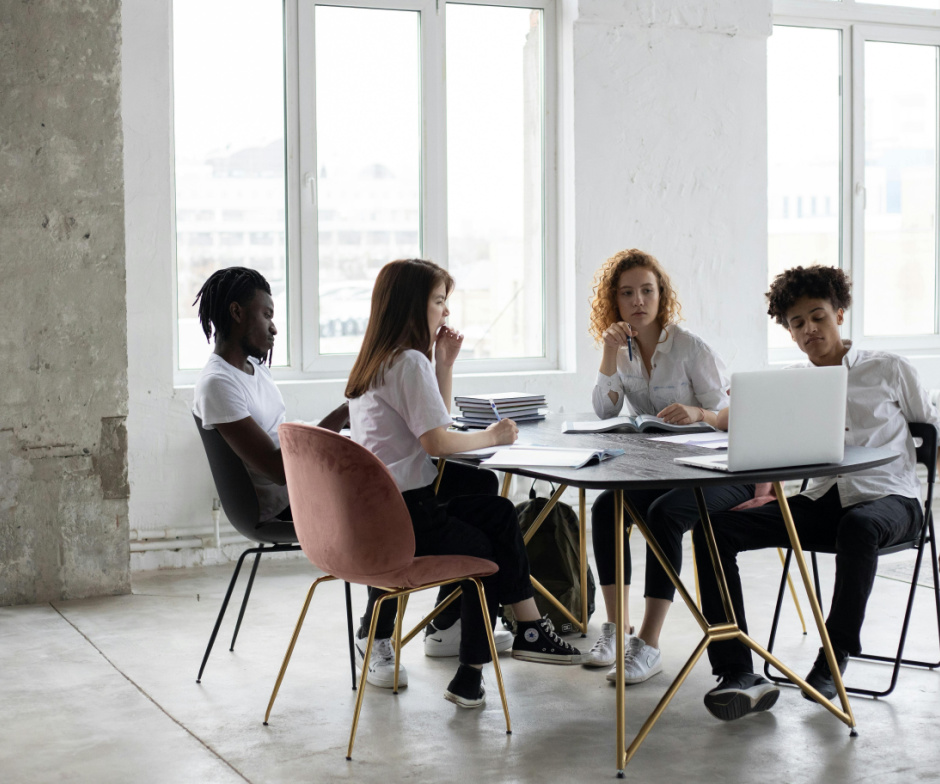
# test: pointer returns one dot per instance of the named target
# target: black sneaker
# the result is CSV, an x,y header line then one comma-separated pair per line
x,y
740,693
466,689
820,677
536,641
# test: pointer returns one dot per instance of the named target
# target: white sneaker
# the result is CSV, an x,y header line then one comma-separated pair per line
x,y
604,652
440,643
381,664
640,662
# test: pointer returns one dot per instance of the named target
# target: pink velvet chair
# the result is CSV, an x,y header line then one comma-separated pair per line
x,y
352,523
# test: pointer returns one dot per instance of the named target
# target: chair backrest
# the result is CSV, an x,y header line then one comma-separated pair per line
x,y
349,514
232,482
927,451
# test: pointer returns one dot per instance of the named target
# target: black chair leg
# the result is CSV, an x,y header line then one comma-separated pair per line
x,y
773,626
241,611
349,626
218,621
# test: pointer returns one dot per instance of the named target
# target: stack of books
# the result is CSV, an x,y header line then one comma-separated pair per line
x,y
477,410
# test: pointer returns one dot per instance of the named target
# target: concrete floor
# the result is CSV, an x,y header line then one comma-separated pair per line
x,y
103,690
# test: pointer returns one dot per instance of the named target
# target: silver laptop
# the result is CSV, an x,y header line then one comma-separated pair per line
x,y
783,418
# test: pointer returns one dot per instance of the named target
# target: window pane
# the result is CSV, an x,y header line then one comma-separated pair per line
x,y
901,187
494,179
229,150
368,106
804,151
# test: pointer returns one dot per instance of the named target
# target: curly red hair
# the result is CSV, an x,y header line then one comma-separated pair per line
x,y
604,309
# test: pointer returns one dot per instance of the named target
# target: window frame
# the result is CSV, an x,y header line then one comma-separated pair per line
x,y
302,239
858,23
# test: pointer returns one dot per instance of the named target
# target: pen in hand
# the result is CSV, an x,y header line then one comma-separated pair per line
x,y
629,343
495,411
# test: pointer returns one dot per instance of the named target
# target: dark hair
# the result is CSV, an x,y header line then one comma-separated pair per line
x,y
604,308
816,282
398,319
225,286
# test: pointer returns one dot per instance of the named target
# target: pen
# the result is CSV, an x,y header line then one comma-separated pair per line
x,y
629,344
495,412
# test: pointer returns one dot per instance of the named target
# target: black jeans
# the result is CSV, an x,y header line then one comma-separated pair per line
x,y
854,534
669,514
458,480
481,526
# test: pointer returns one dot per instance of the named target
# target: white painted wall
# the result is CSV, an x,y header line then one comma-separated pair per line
x,y
664,148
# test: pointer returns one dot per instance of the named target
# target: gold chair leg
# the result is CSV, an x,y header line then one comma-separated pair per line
x,y
365,670
438,609
796,601
698,591
492,643
402,604
293,642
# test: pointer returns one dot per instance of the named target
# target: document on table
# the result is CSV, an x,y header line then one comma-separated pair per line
x,y
545,457
716,440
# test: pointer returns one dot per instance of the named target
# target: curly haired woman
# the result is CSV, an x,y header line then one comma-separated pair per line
x,y
656,367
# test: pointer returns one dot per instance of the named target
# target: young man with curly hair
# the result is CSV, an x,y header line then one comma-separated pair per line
x,y
853,515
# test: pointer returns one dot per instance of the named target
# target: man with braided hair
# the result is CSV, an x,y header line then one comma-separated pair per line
x,y
235,393
853,515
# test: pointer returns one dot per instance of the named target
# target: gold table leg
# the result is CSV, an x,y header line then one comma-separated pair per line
x,y
713,632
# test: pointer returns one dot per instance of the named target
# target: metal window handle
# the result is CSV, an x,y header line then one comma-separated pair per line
x,y
860,190
310,182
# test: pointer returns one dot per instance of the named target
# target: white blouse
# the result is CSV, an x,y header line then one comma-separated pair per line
x,y
685,369
884,394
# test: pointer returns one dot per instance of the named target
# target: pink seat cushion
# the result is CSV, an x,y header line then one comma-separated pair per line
x,y
425,570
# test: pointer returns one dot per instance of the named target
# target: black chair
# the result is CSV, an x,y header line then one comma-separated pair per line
x,y
240,503
926,455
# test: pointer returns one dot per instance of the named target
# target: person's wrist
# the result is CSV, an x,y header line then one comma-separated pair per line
x,y
704,418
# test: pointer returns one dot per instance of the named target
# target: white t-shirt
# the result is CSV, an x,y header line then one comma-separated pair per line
x,y
226,394
390,418
685,369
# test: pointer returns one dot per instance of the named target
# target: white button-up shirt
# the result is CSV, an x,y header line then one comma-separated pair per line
x,y
685,370
884,394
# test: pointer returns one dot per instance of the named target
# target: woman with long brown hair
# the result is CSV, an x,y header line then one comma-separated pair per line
x,y
399,394
655,367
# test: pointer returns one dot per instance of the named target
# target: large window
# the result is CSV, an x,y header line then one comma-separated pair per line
x,y
359,133
853,166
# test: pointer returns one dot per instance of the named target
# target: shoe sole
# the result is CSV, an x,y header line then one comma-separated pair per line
x,y
463,702
640,679
598,663
548,658
735,705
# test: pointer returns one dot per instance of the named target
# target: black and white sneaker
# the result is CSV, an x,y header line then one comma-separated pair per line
x,y
466,690
446,642
740,693
536,641
820,677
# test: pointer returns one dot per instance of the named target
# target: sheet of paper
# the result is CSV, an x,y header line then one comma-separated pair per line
x,y
696,439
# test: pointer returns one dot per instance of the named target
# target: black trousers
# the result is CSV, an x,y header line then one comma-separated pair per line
x,y
669,514
483,526
458,480
854,534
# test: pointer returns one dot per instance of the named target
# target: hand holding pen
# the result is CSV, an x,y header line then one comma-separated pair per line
x,y
504,430
619,334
